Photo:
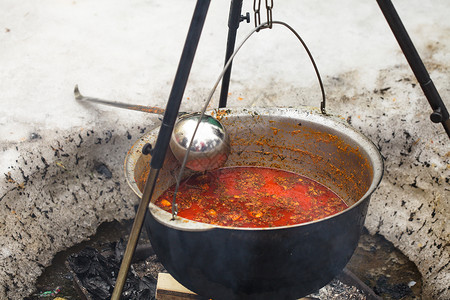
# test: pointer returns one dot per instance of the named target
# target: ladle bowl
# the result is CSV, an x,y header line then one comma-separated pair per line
x,y
210,146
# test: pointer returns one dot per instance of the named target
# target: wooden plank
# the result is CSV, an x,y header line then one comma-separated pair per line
x,y
167,288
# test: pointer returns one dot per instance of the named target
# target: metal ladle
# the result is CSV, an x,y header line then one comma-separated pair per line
x,y
211,144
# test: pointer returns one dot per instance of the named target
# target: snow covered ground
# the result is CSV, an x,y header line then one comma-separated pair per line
x,y
54,193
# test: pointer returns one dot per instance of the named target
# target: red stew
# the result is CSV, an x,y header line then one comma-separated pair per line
x,y
252,197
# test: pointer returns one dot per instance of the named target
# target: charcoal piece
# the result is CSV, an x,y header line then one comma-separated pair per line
x,y
147,287
81,262
34,136
97,270
119,249
94,272
102,169
395,291
98,288
137,288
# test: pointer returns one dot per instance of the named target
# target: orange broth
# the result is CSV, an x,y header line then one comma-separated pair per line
x,y
253,197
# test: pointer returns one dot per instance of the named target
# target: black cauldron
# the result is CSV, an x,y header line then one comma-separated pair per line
x,y
286,262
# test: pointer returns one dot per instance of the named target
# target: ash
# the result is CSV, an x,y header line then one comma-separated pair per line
x,y
338,290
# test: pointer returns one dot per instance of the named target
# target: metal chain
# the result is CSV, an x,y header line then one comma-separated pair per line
x,y
257,10
269,6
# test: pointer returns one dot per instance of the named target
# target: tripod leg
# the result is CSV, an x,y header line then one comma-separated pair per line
x,y
162,143
233,24
440,113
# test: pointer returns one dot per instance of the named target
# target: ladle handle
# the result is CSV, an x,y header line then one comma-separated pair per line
x,y
142,108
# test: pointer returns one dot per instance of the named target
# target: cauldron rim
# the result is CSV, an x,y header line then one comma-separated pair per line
x,y
311,114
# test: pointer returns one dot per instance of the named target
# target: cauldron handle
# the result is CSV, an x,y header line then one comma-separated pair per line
x,y
257,29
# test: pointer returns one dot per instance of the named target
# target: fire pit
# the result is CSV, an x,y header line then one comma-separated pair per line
x,y
371,262
288,261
